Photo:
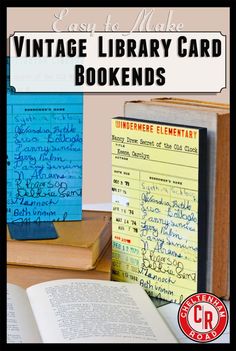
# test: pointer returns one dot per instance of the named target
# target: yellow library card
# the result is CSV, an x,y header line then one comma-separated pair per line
x,y
158,214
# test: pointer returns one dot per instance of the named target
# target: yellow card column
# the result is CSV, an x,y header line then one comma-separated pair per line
x,y
155,207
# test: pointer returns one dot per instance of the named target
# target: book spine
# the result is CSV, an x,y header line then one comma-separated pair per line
x,y
220,264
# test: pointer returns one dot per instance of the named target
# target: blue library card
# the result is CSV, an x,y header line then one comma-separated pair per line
x,y
44,156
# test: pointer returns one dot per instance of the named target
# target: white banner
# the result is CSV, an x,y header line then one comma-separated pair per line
x,y
154,62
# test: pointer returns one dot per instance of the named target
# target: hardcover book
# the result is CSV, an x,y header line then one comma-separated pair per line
x,y
78,246
216,118
26,276
158,196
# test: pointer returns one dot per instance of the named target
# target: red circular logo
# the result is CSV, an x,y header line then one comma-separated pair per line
x,y
202,317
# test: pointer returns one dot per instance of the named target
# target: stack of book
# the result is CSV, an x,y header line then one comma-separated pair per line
x,y
82,250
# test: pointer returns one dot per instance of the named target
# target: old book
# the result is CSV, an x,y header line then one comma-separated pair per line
x,y
216,118
26,276
78,246
158,195
84,311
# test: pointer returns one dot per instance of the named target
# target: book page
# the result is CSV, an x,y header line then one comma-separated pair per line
x,y
155,196
93,311
21,325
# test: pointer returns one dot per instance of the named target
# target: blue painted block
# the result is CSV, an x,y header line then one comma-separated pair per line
x,y
44,156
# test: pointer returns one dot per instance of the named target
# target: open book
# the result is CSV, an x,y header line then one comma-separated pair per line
x,y
83,311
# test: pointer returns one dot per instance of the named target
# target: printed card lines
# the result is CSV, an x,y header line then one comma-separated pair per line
x,y
155,208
